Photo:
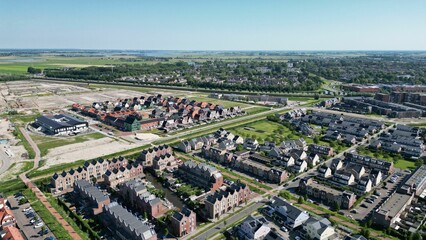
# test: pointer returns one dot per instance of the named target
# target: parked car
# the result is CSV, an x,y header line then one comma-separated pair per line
x,y
284,229
364,205
43,232
39,225
27,209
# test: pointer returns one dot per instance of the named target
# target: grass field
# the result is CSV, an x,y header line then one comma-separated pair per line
x,y
265,130
405,164
45,143
23,119
19,65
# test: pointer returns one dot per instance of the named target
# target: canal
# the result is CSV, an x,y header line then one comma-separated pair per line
x,y
171,196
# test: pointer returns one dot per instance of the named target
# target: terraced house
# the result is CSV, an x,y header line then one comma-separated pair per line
x,y
201,175
183,222
327,195
138,196
147,156
64,181
223,201
125,225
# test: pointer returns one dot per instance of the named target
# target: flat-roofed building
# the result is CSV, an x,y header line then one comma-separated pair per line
x,y
61,124
416,183
388,213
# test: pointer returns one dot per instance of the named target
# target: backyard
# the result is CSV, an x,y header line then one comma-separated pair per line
x,y
398,160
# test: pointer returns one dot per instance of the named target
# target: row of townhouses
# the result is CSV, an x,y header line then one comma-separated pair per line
x,y
226,199
201,175
403,139
325,194
136,193
360,178
112,172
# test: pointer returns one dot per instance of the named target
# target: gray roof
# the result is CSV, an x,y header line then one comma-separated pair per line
x,y
91,191
132,222
291,211
59,121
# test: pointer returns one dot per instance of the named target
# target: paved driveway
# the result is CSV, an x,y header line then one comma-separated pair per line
x,y
24,222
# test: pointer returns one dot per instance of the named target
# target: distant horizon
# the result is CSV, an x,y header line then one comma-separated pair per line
x,y
190,25
225,50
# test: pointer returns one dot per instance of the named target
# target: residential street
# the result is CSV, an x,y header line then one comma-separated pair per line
x,y
213,230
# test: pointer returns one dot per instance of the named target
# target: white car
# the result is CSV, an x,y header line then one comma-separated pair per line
x,y
38,225
297,238
27,209
284,229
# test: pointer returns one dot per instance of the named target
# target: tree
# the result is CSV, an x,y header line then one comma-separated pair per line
x,y
316,140
43,229
419,162
240,147
417,236
365,232
316,96
33,70
300,200
336,206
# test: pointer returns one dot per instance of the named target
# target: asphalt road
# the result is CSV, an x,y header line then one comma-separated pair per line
x,y
234,218
5,160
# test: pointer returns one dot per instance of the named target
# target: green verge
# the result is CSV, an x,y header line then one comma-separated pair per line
x,y
25,143
64,215
47,217
12,186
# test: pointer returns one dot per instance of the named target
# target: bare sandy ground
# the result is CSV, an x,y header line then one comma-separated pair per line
x,y
92,149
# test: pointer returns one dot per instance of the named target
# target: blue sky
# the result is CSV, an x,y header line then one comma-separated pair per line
x,y
214,25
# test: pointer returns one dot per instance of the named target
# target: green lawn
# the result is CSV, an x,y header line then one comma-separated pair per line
x,y
265,130
405,164
45,143
23,119
398,160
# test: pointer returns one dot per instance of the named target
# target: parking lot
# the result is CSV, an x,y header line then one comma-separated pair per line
x,y
371,203
24,222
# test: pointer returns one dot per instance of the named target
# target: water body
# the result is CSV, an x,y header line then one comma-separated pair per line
x,y
171,196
